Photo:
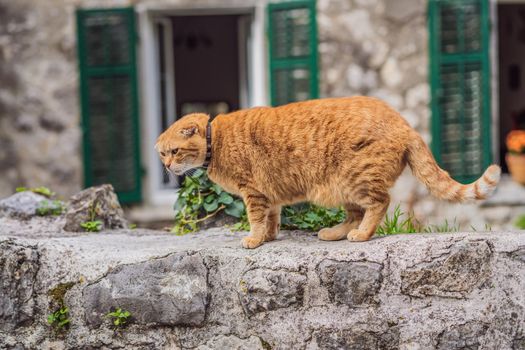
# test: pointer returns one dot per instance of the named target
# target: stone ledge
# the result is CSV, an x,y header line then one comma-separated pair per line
x,y
424,291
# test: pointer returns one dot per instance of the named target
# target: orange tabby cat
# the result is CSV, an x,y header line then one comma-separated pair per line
x,y
333,152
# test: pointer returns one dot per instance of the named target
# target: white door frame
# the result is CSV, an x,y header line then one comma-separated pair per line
x,y
494,75
148,16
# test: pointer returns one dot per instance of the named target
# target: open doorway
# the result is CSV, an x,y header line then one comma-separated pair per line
x,y
202,67
511,52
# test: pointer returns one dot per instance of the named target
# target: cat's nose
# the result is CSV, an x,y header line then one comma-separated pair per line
x,y
167,165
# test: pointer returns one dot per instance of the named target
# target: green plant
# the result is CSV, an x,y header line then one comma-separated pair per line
x,y
44,191
46,208
59,319
132,226
91,226
310,217
401,222
520,222
200,199
119,317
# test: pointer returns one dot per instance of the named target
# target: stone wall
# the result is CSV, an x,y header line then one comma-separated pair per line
x,y
203,291
39,113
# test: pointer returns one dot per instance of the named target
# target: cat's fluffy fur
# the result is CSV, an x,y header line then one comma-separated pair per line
x,y
333,152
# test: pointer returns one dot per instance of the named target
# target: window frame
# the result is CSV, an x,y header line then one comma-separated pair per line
x,y
437,58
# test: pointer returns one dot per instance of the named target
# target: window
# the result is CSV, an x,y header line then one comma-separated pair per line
x,y
293,51
460,84
109,104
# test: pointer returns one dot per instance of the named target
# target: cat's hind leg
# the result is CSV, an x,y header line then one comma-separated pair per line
x,y
354,215
272,223
373,215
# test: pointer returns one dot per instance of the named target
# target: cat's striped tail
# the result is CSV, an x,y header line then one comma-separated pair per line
x,y
439,182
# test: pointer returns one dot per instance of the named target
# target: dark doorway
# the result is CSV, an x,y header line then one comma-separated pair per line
x,y
511,50
206,54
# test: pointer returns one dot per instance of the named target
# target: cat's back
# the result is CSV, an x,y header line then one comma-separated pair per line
x,y
358,108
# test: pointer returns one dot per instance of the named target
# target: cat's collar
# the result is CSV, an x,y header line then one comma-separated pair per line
x,y
208,145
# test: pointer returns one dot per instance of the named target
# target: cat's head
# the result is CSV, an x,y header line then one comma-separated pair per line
x,y
183,145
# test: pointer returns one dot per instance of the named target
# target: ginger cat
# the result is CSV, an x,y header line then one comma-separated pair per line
x,y
332,152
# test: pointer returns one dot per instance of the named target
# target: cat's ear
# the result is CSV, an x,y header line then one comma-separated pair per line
x,y
189,130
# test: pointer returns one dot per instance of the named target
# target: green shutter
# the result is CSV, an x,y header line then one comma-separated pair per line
x,y
292,33
460,84
109,103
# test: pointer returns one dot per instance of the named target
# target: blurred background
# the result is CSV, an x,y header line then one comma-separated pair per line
x,y
86,86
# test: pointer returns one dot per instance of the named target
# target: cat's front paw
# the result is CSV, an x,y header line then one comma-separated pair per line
x,y
358,236
251,242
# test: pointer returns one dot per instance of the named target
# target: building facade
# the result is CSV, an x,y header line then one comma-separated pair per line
x,y
86,86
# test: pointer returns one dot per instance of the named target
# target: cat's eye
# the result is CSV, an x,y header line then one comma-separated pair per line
x,y
174,151
163,154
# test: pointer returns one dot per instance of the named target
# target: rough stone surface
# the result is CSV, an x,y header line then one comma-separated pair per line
x,y
203,291
21,205
262,290
455,274
19,265
351,283
165,291
95,203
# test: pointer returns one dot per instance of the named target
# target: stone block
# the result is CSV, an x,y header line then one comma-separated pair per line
x,y
18,268
262,290
165,291
465,336
351,283
95,203
454,275
355,339
21,205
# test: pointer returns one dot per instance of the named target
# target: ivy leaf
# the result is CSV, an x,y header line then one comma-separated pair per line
x,y
225,198
235,209
216,188
311,216
179,204
209,198
209,207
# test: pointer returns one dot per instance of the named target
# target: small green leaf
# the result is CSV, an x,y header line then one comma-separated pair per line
x,y
210,207
216,188
235,209
225,198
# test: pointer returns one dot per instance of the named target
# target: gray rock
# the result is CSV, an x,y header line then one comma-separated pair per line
x,y
21,205
454,275
356,340
232,342
95,203
463,337
351,283
18,268
167,291
263,290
